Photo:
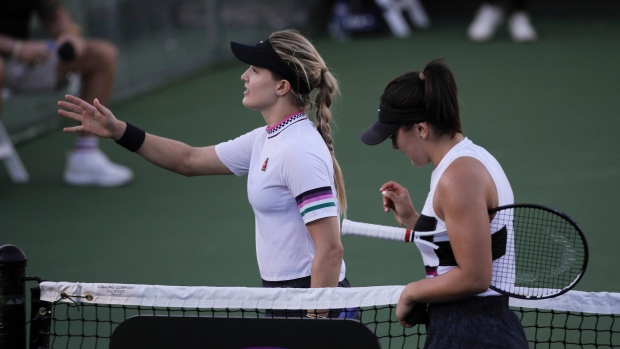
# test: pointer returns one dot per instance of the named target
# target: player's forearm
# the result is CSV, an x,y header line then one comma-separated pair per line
x,y
181,158
452,286
167,153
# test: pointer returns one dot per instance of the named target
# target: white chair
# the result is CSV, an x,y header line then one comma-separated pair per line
x,y
12,161
393,14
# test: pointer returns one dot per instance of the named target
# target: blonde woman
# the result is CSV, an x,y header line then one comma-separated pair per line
x,y
295,185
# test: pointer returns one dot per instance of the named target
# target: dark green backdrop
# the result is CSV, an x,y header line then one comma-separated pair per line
x,y
548,111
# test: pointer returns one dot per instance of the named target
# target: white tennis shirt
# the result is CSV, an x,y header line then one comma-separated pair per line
x,y
290,183
430,256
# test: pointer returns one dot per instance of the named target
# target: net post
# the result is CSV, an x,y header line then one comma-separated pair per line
x,y
12,297
40,320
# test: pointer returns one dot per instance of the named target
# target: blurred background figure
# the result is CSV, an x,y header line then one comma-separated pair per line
x,y
30,65
362,17
491,15
393,12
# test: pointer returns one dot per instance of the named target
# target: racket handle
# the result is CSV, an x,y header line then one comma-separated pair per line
x,y
376,231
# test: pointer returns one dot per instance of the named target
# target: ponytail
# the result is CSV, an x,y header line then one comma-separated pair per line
x,y
303,58
441,98
323,101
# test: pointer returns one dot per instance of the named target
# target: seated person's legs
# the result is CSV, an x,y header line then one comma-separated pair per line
x,y
87,165
96,64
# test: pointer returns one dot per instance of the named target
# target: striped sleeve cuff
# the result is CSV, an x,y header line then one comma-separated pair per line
x,y
315,199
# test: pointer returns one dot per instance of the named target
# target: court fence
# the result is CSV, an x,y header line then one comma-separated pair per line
x,y
102,315
159,41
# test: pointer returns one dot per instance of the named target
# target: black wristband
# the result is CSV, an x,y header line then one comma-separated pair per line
x,y
133,138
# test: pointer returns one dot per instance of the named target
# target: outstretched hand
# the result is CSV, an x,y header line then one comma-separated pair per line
x,y
96,119
396,199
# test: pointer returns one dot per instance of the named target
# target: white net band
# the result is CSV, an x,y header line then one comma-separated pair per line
x,y
286,298
220,297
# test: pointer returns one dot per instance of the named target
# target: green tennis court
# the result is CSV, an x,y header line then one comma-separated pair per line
x,y
547,111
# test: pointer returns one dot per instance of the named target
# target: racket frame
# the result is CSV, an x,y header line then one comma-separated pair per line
x,y
581,236
408,235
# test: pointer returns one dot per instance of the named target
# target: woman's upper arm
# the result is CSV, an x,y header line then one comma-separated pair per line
x,y
229,157
462,201
325,232
204,161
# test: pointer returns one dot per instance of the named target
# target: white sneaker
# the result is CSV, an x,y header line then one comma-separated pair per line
x,y
521,30
487,20
92,167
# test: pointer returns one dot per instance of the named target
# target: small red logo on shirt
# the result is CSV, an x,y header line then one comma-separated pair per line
x,y
264,168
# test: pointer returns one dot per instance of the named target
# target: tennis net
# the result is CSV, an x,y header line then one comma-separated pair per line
x,y
90,315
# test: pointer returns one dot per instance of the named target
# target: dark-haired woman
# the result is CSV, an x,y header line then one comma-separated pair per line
x,y
419,112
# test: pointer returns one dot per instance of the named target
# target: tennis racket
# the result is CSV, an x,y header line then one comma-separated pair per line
x,y
546,252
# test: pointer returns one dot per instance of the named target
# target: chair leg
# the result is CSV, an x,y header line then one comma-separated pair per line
x,y
13,163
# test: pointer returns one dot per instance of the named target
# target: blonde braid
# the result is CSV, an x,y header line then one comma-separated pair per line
x,y
303,58
323,117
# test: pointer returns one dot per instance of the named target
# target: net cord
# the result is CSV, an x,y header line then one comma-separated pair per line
x,y
287,298
219,297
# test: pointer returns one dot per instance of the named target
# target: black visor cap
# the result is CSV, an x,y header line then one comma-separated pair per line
x,y
378,132
390,119
263,55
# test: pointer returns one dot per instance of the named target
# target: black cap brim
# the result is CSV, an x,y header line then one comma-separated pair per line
x,y
247,54
263,55
378,132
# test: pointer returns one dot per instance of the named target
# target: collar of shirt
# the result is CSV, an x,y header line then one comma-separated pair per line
x,y
282,125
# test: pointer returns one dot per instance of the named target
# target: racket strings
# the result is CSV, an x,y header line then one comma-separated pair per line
x,y
545,253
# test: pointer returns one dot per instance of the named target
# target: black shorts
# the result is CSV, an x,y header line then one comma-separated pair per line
x,y
477,322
